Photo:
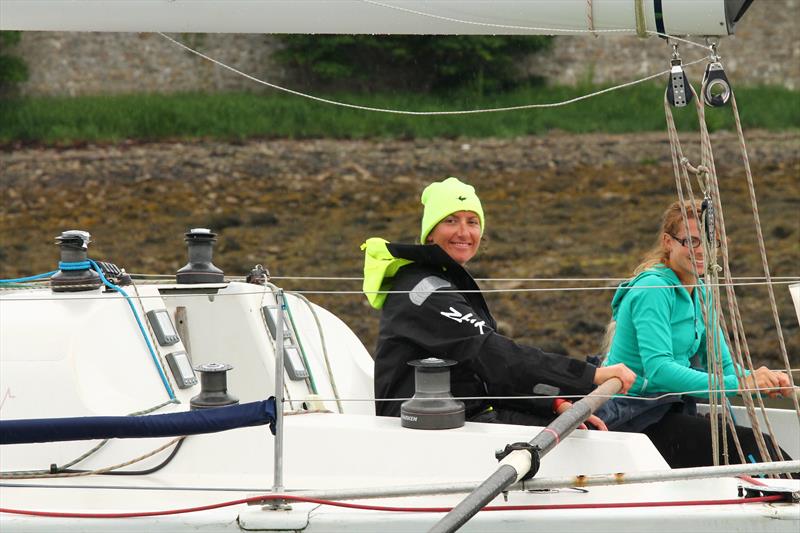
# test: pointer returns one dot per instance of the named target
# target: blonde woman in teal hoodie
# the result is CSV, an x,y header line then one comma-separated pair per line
x,y
658,331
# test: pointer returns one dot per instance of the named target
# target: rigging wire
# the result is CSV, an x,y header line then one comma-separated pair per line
x,y
170,278
568,396
492,280
361,292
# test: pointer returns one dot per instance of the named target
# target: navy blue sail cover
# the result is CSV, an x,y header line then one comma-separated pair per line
x,y
126,427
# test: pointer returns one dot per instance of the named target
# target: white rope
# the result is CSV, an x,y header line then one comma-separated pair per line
x,y
418,113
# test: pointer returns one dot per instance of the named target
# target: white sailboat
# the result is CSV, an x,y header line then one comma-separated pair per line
x,y
73,347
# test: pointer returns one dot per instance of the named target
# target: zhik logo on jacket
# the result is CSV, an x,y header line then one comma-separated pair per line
x,y
469,318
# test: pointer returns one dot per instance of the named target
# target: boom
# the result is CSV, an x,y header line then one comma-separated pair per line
x,y
675,17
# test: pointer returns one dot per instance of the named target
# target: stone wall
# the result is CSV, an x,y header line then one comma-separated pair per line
x,y
107,63
765,50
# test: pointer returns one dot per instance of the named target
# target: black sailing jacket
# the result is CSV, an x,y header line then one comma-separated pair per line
x,y
436,321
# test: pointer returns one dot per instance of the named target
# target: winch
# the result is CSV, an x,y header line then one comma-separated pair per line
x,y
213,387
75,272
432,407
200,269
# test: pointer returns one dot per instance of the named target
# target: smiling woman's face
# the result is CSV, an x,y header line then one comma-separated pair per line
x,y
458,234
680,257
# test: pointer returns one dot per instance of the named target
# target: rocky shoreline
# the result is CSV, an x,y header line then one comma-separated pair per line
x,y
558,206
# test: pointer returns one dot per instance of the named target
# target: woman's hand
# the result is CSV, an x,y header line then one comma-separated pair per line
x,y
564,406
776,383
619,371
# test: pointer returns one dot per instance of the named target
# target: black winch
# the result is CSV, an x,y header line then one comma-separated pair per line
x,y
75,272
432,407
200,269
213,387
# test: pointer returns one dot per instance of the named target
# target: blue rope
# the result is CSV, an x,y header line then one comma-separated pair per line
x,y
62,265
74,265
730,410
141,327
753,460
29,278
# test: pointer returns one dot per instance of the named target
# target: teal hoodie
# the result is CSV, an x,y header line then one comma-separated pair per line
x,y
659,331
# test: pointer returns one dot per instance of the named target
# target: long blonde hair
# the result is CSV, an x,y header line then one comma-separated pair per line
x,y
671,222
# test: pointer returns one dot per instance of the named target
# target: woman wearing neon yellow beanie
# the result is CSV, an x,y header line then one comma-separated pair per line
x,y
435,309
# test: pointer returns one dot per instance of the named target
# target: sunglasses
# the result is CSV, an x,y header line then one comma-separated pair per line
x,y
696,242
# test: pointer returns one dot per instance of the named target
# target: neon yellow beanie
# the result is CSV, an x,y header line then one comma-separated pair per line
x,y
442,198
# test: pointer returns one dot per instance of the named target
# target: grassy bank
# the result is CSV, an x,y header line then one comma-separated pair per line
x,y
270,115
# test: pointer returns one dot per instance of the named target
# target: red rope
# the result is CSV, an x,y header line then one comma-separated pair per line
x,y
752,480
256,499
